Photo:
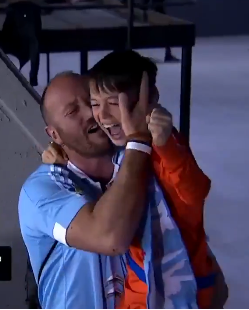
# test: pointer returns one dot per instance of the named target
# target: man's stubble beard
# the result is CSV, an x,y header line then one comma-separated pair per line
x,y
86,148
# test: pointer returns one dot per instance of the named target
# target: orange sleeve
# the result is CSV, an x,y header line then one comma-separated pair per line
x,y
175,164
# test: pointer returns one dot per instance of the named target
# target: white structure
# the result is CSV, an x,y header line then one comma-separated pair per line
x,y
22,137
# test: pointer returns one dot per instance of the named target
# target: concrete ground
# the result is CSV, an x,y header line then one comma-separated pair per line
x,y
219,138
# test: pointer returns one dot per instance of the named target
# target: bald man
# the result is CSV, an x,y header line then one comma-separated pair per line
x,y
72,226
77,228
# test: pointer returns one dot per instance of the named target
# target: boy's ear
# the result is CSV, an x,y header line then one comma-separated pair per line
x,y
154,96
154,99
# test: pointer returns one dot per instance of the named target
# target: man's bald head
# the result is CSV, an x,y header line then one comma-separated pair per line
x,y
66,110
58,86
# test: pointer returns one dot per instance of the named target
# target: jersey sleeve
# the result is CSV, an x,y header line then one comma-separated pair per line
x,y
53,207
175,163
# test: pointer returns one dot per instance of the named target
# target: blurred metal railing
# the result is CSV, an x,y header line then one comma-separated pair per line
x,y
19,76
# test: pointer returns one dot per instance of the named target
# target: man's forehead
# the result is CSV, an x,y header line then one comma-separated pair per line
x,y
64,90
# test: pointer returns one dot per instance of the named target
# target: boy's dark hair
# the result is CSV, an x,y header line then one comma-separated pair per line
x,y
122,71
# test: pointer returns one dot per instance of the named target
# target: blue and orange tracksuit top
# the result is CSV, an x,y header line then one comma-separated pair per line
x,y
185,187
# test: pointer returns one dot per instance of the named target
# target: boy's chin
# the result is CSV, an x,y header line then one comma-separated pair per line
x,y
119,142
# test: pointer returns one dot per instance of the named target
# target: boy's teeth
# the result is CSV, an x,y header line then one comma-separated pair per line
x,y
109,126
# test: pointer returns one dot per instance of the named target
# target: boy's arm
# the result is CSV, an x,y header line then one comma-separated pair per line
x,y
173,160
175,163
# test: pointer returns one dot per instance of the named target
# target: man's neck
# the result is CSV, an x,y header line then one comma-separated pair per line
x,y
98,169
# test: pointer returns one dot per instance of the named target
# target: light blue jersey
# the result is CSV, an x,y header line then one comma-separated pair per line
x,y
51,198
71,278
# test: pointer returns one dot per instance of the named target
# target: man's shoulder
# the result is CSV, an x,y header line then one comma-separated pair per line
x,y
44,182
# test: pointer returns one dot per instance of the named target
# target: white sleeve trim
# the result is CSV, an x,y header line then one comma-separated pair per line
x,y
59,233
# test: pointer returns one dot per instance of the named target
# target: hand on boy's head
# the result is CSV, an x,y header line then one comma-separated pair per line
x,y
135,121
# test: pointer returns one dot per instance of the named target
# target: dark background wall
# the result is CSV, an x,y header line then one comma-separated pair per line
x,y
216,17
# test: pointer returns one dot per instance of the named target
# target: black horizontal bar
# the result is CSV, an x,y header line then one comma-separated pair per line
x,y
180,3
79,7
56,41
108,6
59,7
74,8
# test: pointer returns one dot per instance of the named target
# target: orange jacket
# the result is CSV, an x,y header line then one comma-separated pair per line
x,y
185,187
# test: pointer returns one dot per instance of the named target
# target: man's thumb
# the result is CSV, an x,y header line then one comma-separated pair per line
x,y
123,106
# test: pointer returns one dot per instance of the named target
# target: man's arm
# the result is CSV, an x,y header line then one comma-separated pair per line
x,y
108,226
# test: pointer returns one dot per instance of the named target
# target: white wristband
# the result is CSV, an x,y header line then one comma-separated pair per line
x,y
139,147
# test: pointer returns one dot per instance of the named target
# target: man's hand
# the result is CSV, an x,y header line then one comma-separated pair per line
x,y
160,125
135,122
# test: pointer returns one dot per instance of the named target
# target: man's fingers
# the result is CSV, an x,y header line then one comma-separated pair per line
x,y
123,106
144,93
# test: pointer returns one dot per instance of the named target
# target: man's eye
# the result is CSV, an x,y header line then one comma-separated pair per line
x,y
71,112
113,102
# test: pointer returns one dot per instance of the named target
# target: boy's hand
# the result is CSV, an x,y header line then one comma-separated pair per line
x,y
160,125
54,154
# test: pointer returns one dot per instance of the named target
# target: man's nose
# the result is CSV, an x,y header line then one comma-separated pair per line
x,y
86,112
85,109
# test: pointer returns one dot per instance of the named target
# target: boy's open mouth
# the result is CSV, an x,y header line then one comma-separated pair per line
x,y
114,130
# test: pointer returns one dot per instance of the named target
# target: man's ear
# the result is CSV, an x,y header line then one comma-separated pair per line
x,y
48,131
52,133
